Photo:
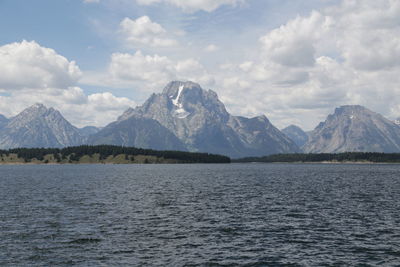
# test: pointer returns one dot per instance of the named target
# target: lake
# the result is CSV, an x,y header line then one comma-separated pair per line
x,y
200,215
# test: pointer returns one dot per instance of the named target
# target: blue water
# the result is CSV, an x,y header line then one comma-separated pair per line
x,y
200,215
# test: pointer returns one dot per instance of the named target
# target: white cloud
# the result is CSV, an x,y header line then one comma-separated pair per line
x,y
293,44
194,5
91,1
192,70
78,108
345,54
29,65
348,53
369,33
132,69
31,73
302,70
149,72
143,31
211,48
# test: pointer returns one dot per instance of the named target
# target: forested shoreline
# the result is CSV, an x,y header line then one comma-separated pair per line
x,y
327,157
132,155
105,154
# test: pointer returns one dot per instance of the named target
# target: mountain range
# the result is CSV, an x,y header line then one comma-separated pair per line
x,y
353,129
186,117
199,121
296,134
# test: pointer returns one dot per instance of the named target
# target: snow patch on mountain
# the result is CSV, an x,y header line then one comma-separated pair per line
x,y
179,111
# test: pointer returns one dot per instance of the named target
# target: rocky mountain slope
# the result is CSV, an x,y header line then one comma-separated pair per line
x,y
3,121
88,130
200,121
354,128
137,132
296,134
186,117
39,126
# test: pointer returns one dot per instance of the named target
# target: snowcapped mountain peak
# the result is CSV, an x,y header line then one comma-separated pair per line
x,y
199,119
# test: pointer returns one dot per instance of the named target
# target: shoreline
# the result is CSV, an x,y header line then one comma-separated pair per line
x,y
320,162
177,163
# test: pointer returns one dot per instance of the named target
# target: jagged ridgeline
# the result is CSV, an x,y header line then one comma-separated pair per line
x,y
105,154
184,116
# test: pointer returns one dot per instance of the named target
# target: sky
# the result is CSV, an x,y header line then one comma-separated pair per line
x,y
294,61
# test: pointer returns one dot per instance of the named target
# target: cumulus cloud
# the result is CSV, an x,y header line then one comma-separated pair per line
x,y
132,69
348,53
143,31
96,109
31,73
149,72
345,54
293,44
194,5
211,48
29,65
368,33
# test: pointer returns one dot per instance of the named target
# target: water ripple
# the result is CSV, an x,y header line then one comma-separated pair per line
x,y
200,215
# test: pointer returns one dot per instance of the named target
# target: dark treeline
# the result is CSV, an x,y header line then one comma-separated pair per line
x,y
75,153
339,157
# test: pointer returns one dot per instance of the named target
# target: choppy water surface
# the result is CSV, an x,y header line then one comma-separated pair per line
x,y
207,215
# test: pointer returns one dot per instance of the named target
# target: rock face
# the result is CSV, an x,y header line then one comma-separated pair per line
x,y
87,131
296,134
137,132
38,126
200,121
3,121
354,128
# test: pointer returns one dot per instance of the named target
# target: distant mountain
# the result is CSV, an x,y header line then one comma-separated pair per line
x,y
39,126
188,118
354,128
200,121
137,132
88,130
3,121
296,134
